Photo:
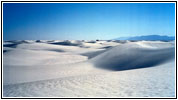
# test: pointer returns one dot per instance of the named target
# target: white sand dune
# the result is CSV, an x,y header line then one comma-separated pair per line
x,y
88,69
134,55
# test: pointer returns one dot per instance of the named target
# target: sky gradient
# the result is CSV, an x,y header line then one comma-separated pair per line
x,y
86,21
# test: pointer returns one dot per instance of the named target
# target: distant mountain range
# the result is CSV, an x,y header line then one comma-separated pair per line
x,y
147,37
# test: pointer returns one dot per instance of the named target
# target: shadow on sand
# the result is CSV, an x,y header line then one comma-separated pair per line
x,y
66,43
133,59
14,43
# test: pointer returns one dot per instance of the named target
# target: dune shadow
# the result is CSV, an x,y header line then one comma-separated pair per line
x,y
13,44
92,54
56,50
120,41
91,42
106,47
136,59
66,43
4,51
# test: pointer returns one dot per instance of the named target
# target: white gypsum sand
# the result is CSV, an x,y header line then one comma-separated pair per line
x,y
88,69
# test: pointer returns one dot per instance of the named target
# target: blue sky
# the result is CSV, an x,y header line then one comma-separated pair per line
x,y
90,21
